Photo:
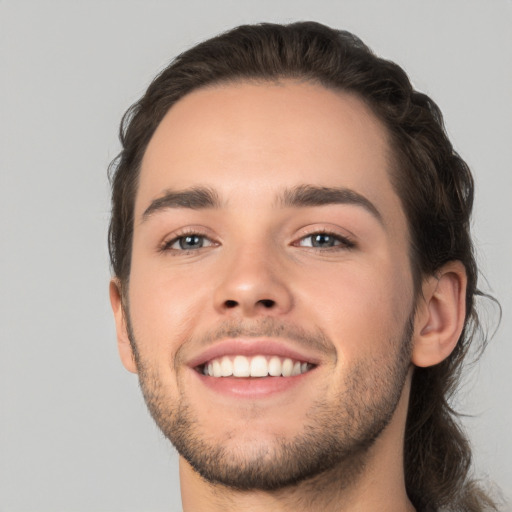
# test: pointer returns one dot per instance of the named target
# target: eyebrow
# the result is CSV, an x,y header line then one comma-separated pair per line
x,y
195,198
301,196
311,195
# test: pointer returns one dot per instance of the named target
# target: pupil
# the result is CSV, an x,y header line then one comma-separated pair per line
x,y
322,241
191,242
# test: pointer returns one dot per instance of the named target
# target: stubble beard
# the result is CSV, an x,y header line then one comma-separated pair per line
x,y
336,436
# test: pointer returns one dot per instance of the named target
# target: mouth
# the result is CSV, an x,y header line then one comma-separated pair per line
x,y
254,368
257,366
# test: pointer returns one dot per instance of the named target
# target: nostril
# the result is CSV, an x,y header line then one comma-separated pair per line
x,y
266,303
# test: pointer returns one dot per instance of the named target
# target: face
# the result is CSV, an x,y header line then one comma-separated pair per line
x,y
270,292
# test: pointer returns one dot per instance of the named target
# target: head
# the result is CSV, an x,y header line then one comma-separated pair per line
x,y
434,194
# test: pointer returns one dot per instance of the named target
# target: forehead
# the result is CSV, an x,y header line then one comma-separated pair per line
x,y
262,137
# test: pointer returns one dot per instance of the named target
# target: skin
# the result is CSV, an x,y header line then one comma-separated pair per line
x,y
249,143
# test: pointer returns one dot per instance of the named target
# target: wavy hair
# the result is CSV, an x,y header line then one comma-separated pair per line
x,y
434,184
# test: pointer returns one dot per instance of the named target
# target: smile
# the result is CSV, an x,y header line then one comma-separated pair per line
x,y
254,366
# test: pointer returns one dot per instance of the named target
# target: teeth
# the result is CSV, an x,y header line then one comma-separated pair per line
x,y
217,372
287,368
257,366
241,367
226,367
274,367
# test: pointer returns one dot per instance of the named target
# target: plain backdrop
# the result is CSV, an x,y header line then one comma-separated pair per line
x,y
74,431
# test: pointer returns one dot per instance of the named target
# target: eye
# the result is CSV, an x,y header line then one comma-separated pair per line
x,y
188,242
325,241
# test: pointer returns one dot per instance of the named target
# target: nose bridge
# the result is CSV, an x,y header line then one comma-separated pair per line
x,y
253,281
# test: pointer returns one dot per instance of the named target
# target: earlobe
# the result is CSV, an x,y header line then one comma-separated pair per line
x,y
123,340
440,315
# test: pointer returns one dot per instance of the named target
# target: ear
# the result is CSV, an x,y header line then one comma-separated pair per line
x,y
123,341
440,315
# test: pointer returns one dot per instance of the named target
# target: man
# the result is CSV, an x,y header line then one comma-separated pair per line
x,y
294,278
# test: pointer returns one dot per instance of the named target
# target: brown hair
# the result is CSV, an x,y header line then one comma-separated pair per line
x,y
433,182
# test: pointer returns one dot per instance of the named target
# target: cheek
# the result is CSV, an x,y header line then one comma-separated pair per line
x,y
361,307
164,308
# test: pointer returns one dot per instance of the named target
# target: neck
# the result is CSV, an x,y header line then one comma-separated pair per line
x,y
378,485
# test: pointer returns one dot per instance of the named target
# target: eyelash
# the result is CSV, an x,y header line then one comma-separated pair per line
x,y
167,245
344,242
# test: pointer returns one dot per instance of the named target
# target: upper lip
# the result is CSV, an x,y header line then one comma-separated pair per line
x,y
252,347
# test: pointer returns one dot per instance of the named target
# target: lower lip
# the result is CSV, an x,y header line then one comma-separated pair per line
x,y
252,387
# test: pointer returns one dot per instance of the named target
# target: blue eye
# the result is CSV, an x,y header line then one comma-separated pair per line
x,y
325,241
190,242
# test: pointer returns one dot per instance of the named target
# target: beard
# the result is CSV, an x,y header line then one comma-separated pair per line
x,y
335,438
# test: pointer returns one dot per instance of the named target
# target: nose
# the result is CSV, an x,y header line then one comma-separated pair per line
x,y
253,283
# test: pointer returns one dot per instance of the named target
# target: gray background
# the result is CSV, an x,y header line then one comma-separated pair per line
x,y
74,432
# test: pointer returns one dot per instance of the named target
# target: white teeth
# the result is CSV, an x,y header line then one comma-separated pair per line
x,y
256,366
274,367
241,367
217,372
287,368
259,367
226,366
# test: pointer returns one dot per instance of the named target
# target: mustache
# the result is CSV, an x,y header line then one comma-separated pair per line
x,y
267,327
